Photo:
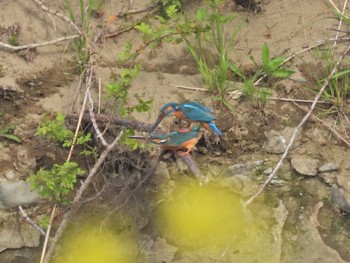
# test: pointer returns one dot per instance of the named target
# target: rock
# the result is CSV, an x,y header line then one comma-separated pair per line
x,y
305,165
243,168
328,177
277,140
157,251
13,194
10,175
5,155
181,166
16,237
162,170
26,164
341,198
267,171
328,167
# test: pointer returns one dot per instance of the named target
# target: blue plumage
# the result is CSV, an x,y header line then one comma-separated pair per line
x,y
190,111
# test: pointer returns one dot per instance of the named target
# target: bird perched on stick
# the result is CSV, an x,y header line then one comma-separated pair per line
x,y
189,111
174,141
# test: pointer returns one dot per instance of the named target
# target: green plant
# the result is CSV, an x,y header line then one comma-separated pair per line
x,y
338,89
169,6
7,133
118,89
273,67
57,183
270,67
210,27
13,40
54,129
207,28
82,51
44,221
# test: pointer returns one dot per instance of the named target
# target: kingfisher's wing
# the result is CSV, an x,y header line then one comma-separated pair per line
x,y
179,138
199,106
195,114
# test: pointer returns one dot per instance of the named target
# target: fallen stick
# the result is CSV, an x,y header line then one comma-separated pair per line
x,y
30,46
300,125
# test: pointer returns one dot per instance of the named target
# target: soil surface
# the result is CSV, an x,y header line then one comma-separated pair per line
x,y
294,220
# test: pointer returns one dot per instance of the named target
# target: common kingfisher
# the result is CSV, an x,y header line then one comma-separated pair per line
x,y
174,141
189,111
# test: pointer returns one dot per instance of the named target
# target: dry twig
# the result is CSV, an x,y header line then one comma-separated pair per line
x,y
136,11
340,23
93,120
58,14
303,121
325,124
30,46
30,221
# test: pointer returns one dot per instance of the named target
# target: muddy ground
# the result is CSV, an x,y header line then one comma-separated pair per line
x,y
306,226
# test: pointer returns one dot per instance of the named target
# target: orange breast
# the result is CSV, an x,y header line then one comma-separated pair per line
x,y
190,144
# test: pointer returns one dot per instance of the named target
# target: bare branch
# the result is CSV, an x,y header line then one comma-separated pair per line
x,y
30,221
58,14
93,120
29,46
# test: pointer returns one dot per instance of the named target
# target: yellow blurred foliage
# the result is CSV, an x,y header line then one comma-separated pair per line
x,y
93,244
197,216
210,222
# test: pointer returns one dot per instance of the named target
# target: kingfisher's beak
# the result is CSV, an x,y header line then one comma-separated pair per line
x,y
159,119
144,138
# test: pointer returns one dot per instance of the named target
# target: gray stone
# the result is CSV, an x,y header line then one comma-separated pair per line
x,y
328,177
305,165
243,168
328,167
17,237
10,175
162,170
13,194
26,164
341,198
5,155
276,141
267,171
181,166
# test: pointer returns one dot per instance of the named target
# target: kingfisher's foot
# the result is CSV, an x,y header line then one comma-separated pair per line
x,y
184,153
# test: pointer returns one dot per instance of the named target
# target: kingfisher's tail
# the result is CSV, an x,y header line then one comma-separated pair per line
x,y
215,129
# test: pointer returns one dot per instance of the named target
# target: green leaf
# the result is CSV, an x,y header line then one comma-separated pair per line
x,y
275,63
235,70
282,73
200,14
341,73
11,137
265,55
